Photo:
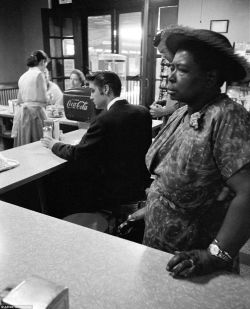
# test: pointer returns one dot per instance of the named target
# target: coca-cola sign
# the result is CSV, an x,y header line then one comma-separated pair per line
x,y
76,104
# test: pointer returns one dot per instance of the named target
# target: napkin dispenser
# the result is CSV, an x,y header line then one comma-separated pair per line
x,y
37,293
55,124
12,105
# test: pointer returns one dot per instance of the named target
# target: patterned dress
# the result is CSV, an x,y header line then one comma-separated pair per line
x,y
191,162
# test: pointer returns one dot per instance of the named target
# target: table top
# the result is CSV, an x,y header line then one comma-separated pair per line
x,y
35,162
4,112
102,271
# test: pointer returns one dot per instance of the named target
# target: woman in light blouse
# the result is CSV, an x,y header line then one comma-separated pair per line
x,y
32,96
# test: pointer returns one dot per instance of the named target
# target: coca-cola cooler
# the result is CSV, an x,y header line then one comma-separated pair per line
x,y
77,104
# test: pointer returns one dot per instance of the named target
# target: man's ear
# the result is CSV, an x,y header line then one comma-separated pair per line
x,y
106,89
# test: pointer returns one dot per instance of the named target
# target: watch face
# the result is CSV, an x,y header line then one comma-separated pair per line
x,y
214,249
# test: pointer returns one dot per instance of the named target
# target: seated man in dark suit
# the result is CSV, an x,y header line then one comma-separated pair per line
x,y
109,162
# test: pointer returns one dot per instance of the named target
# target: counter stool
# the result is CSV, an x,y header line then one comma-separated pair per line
x,y
104,220
95,220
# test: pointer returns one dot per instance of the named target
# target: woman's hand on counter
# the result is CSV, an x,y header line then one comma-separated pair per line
x,y
48,142
195,263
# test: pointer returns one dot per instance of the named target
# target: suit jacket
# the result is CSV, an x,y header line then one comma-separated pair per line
x,y
114,149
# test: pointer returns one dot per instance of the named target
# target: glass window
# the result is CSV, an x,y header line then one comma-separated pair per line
x,y
69,65
158,68
68,47
67,84
57,67
130,35
67,27
167,15
54,28
99,38
62,48
55,48
157,89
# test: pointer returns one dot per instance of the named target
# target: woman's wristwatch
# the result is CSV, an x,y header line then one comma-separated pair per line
x,y
215,250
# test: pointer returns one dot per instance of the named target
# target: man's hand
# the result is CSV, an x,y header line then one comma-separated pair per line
x,y
157,110
48,142
138,215
223,194
194,263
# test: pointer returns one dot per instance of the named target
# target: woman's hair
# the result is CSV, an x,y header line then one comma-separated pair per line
x,y
80,75
106,78
35,58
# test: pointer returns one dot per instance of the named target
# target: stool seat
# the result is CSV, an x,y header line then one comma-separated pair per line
x,y
95,221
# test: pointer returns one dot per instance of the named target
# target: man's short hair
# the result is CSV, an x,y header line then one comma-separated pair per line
x,y
102,78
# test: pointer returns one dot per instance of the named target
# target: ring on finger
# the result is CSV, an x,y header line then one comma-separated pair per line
x,y
192,262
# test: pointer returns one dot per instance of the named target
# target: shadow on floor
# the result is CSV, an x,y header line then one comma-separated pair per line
x,y
245,259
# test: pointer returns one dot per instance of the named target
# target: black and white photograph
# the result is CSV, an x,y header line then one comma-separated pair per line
x,y
124,154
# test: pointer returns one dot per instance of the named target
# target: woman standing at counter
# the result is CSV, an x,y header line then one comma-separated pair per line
x,y
32,95
204,146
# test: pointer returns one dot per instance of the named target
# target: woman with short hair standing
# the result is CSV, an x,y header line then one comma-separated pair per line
x,y
32,96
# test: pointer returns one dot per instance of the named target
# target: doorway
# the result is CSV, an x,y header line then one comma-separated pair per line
x,y
86,34
114,43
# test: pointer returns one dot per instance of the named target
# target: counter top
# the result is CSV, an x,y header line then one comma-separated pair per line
x,y
35,162
102,271
4,112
